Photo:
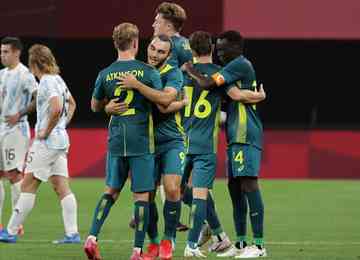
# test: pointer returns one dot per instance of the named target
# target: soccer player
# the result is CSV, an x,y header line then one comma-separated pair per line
x,y
131,137
17,99
244,137
169,20
47,157
201,120
169,143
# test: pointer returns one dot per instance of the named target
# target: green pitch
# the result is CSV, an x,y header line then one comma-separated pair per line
x,y
304,220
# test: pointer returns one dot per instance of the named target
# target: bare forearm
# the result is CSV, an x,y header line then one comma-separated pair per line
x,y
53,120
203,81
173,107
156,96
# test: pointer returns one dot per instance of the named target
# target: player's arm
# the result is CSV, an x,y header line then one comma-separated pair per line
x,y
246,96
175,105
115,108
203,81
55,109
97,105
13,119
164,97
72,108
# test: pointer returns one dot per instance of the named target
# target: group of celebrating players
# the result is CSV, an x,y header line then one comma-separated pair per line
x,y
164,126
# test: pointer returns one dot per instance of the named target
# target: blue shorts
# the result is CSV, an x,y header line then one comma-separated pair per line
x,y
170,162
243,160
203,170
141,168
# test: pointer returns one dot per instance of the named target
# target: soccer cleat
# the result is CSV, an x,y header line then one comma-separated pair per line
x,y
220,246
231,252
5,237
252,252
205,235
181,227
165,250
189,252
91,249
21,231
153,250
136,256
74,239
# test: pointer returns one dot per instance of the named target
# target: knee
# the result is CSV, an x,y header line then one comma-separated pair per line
x,y
114,193
249,184
172,192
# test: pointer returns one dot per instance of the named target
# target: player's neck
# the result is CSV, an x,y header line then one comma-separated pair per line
x,y
14,65
173,33
204,59
126,55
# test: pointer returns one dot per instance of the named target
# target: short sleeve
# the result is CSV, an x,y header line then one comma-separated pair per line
x,y
30,84
99,89
175,79
156,80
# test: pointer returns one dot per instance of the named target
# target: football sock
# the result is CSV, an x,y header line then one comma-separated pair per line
x,y
141,214
212,217
15,192
256,215
171,211
153,221
240,207
69,213
198,215
187,196
101,212
2,199
22,209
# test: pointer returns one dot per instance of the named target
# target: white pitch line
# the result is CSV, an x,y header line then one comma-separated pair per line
x,y
288,243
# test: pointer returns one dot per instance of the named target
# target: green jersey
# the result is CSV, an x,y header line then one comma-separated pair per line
x,y
130,133
180,52
169,129
202,114
243,124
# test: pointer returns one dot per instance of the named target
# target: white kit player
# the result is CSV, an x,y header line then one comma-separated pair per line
x,y
17,88
47,157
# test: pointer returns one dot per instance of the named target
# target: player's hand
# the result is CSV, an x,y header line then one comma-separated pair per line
x,y
115,108
42,135
188,67
262,92
128,81
13,119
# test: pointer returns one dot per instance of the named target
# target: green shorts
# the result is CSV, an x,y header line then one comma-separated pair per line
x,y
203,170
141,168
170,162
243,160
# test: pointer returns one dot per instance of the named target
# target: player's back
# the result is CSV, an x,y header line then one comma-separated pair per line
x,y
243,124
53,86
202,114
130,133
180,51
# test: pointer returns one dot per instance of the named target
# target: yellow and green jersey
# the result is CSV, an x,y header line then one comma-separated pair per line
x,y
169,130
132,132
243,123
202,114
180,52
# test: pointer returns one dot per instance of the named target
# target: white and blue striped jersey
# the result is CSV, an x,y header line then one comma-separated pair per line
x,y
53,86
16,88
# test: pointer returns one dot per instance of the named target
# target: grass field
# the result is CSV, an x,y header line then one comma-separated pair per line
x,y
303,220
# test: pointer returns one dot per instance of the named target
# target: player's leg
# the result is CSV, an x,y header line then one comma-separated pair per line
x,y
172,167
142,182
203,175
60,183
251,157
116,175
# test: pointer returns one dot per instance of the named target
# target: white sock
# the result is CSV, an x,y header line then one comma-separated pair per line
x,y
69,212
162,193
15,193
2,198
22,209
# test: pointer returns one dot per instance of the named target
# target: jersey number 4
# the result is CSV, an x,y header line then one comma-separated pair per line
x,y
202,107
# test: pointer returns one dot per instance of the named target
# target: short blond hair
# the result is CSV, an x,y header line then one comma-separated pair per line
x,y
42,57
174,13
124,34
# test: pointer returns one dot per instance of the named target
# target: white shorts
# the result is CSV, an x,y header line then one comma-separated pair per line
x,y
43,162
13,147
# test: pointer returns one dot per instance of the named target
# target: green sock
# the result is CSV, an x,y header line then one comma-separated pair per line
x,y
256,215
101,212
198,214
152,230
141,214
211,216
172,211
